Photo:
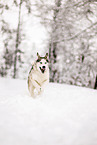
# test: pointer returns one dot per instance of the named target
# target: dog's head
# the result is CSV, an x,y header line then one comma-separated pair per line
x,y
42,63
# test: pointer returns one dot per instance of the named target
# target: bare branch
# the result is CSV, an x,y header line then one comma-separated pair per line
x,y
75,36
83,31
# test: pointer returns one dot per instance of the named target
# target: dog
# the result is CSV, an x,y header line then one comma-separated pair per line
x,y
38,76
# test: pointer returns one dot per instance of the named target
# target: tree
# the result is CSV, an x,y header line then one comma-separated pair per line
x,y
17,40
95,86
53,45
7,33
12,36
73,27
18,52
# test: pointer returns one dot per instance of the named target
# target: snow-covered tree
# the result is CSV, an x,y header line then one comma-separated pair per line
x,y
72,40
12,34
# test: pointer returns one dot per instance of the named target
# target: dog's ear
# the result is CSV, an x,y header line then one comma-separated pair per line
x,y
46,55
38,55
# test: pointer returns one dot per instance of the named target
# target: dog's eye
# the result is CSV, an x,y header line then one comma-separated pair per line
x,y
40,62
45,62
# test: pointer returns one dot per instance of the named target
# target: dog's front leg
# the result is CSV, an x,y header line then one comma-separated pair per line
x,y
36,85
44,84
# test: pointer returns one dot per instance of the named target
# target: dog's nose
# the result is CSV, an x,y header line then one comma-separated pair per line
x,y
43,66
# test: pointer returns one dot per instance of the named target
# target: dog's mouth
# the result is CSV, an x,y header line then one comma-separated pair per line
x,y
42,69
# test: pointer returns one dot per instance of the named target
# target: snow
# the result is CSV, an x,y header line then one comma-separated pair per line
x,y
63,115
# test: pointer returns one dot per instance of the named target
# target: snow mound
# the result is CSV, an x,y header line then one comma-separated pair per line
x,y
63,115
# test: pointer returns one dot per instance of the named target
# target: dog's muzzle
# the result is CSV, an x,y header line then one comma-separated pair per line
x,y
43,68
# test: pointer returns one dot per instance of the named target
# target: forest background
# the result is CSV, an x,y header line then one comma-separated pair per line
x,y
66,29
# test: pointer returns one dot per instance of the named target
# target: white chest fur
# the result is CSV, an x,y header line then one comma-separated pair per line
x,y
40,77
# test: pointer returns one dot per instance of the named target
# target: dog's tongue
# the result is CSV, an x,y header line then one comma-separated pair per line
x,y
43,69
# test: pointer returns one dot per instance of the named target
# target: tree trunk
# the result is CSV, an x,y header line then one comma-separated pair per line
x,y
53,45
95,86
17,41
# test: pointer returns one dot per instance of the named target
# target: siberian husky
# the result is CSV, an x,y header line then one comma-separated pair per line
x,y
38,76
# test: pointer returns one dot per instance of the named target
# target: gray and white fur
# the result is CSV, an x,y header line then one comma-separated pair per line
x,y
39,75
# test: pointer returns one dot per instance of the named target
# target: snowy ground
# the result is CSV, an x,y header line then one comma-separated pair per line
x,y
63,115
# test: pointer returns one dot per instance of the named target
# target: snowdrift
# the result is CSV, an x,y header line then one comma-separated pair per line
x,y
63,115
